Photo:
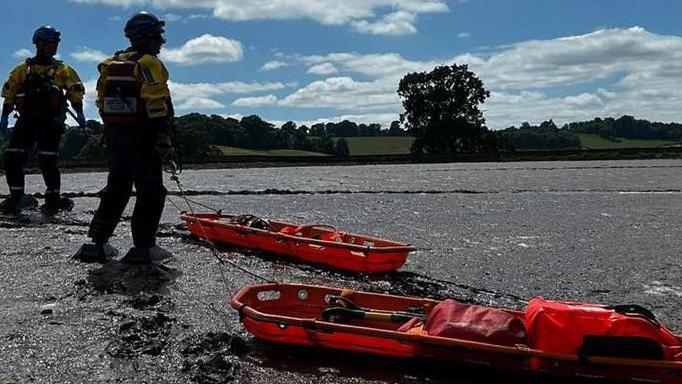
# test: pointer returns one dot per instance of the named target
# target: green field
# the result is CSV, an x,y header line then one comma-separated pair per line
x,y
360,146
593,141
234,151
364,146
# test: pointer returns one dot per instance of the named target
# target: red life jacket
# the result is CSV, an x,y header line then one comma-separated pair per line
x,y
562,327
121,101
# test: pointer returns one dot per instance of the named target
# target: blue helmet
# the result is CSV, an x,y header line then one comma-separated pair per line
x,y
46,33
143,25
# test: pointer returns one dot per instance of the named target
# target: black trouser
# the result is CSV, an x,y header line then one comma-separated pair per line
x,y
132,161
45,135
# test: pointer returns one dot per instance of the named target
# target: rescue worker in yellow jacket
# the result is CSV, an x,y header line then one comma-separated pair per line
x,y
134,101
38,90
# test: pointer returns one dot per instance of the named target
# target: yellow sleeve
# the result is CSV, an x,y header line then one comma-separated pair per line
x,y
72,84
155,95
14,83
102,82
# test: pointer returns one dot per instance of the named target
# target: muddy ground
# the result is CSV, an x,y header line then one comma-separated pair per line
x,y
485,233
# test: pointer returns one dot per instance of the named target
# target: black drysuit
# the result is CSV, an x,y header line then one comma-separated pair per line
x,y
132,162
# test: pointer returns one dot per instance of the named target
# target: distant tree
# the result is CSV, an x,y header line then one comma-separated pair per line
x,y
317,130
72,141
374,129
260,133
341,148
195,143
528,137
396,129
93,149
346,128
441,110
323,144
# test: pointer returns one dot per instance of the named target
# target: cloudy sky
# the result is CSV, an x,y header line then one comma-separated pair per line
x,y
325,60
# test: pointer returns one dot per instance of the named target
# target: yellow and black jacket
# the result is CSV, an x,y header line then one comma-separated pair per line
x,y
42,90
132,88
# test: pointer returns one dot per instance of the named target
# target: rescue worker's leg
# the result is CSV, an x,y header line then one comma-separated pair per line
x,y
113,201
49,137
16,153
119,186
149,203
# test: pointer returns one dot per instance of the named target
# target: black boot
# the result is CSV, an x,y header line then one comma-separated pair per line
x,y
53,206
95,253
10,207
147,255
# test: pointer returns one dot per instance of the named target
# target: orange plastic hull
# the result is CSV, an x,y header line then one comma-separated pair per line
x,y
287,314
357,253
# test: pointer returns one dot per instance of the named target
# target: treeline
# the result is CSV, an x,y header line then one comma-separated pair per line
x,y
627,127
200,136
544,136
548,136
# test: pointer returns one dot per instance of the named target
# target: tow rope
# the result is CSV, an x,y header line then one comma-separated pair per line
x,y
175,172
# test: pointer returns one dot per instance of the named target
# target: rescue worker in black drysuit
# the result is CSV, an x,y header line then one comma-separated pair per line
x,y
134,101
38,90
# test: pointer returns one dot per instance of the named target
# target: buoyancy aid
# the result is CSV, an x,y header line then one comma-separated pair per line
x,y
38,95
121,102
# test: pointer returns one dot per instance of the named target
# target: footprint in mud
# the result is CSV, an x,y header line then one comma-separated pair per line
x,y
142,335
150,301
210,358
129,280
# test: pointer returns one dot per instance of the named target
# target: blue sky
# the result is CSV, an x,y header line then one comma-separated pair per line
x,y
325,60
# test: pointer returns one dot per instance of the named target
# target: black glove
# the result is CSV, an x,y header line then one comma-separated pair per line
x,y
164,148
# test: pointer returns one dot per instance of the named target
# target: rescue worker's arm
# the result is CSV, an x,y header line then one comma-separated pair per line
x,y
74,93
155,93
9,93
6,110
11,87
74,87
4,120
155,96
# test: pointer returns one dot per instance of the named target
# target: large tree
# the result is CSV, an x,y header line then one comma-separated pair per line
x,y
441,110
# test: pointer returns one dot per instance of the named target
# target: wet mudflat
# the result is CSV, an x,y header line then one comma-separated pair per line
x,y
493,234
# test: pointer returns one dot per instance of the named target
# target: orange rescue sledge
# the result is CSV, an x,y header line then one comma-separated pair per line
x,y
315,244
324,317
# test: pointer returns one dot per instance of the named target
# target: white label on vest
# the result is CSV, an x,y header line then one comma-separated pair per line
x,y
117,105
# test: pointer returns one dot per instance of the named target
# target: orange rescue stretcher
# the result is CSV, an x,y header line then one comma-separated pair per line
x,y
318,317
315,244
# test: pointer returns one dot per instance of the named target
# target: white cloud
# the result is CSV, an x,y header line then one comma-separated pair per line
x,y
22,54
205,49
616,72
194,103
374,65
255,101
273,65
384,119
393,24
323,69
202,95
89,55
364,15
463,35
344,93
171,17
